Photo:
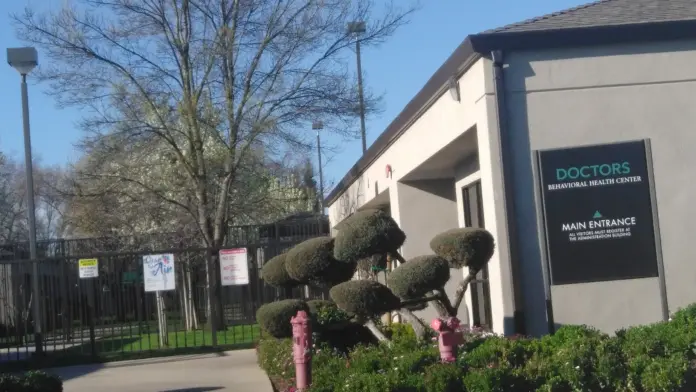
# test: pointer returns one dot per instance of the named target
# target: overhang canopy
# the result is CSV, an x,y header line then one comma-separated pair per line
x,y
604,22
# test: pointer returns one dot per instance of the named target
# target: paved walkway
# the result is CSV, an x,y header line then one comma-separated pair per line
x,y
230,371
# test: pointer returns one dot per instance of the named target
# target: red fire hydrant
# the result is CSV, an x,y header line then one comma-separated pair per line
x,y
450,337
302,349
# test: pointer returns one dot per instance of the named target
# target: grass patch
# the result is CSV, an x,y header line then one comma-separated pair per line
x,y
232,336
146,345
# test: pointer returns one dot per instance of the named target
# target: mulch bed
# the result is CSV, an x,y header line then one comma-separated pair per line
x,y
281,385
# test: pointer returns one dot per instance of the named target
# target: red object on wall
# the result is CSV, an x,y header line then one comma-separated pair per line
x,y
388,171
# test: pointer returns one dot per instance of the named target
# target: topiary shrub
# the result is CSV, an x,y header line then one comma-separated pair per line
x,y
370,239
326,313
367,233
464,247
312,262
364,298
274,317
419,276
275,274
372,264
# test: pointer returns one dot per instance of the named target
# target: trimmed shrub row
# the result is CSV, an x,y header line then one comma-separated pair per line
x,y
33,381
654,358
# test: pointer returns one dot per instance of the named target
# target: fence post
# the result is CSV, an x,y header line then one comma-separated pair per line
x,y
449,337
91,315
212,296
302,349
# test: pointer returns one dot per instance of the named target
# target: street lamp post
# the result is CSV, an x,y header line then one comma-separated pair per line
x,y
24,60
358,28
318,126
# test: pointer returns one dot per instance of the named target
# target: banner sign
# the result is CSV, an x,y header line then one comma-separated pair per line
x,y
234,267
158,272
598,213
88,268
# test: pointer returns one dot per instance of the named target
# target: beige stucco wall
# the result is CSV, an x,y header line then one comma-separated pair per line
x,y
444,121
438,127
566,97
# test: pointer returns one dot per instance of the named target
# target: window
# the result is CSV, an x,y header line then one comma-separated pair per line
x,y
480,287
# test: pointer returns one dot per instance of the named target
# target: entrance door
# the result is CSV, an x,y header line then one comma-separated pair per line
x,y
480,287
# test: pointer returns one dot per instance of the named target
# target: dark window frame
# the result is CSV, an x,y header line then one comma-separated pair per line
x,y
481,308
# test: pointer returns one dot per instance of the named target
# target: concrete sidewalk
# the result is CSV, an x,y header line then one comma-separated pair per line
x,y
228,371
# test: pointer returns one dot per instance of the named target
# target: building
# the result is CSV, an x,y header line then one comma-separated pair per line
x,y
463,152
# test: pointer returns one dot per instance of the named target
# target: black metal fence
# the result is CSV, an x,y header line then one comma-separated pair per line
x,y
113,315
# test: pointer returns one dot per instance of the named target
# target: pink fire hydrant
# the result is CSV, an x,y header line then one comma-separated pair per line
x,y
449,337
302,349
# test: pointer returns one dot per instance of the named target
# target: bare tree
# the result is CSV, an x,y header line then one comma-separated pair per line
x,y
13,201
184,77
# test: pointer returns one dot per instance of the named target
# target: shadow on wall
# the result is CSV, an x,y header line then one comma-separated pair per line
x,y
530,269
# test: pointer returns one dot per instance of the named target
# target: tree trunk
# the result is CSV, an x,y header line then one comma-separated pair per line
x,y
183,302
215,309
192,302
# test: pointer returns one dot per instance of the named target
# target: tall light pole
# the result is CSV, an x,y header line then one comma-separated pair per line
x,y
318,126
357,28
24,60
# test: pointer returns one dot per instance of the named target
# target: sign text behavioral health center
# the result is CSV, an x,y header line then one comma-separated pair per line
x,y
599,212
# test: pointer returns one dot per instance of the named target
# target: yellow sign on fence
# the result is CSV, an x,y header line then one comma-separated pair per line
x,y
89,268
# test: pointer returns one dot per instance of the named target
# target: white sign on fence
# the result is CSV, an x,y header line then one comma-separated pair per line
x,y
158,272
89,268
234,266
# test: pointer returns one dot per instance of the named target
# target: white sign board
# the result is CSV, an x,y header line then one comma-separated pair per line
x,y
234,266
158,272
89,268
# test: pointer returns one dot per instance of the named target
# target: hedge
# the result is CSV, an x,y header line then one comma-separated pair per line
x,y
653,358
34,381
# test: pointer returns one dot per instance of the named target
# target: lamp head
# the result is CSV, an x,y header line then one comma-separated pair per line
x,y
24,60
356,27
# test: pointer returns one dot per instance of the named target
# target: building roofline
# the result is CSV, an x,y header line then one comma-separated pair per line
x,y
478,45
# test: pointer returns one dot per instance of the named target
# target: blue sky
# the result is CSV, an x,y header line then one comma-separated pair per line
x,y
415,52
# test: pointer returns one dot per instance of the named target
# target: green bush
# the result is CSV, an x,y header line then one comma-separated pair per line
x,y
367,233
364,298
400,332
574,359
464,247
274,317
312,262
275,357
443,378
33,381
326,313
670,373
496,379
275,274
419,276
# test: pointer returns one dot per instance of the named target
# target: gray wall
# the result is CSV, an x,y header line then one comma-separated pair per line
x,y
567,97
427,208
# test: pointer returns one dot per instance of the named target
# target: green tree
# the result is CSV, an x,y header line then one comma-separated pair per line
x,y
183,77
